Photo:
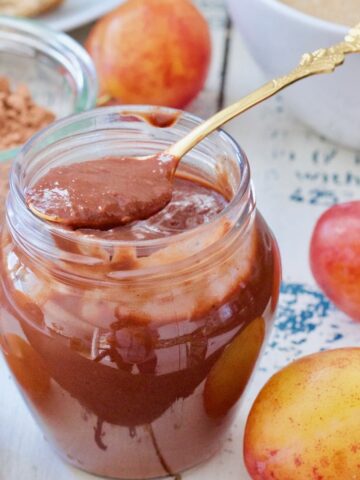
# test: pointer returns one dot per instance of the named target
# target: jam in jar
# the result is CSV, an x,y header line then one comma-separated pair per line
x,y
134,345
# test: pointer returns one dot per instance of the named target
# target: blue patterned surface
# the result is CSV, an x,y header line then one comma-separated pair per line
x,y
306,322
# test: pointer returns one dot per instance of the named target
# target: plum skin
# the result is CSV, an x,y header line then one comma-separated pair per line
x,y
335,256
305,422
154,52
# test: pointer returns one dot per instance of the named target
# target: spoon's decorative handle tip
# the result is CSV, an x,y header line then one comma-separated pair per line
x,y
353,39
324,60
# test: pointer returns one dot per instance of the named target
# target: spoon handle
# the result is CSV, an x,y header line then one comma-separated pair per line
x,y
321,61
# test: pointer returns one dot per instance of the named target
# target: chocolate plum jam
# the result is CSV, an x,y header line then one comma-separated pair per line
x,y
133,346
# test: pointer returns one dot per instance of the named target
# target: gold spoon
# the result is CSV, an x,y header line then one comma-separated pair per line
x,y
321,61
324,60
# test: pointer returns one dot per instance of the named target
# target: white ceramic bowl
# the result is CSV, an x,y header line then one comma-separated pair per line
x,y
277,35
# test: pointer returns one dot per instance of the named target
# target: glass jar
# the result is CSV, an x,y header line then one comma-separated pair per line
x,y
133,354
57,70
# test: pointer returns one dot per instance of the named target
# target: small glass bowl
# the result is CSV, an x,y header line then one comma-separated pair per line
x,y
57,70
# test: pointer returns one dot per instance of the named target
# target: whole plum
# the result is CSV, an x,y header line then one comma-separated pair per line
x,y
154,52
305,423
335,256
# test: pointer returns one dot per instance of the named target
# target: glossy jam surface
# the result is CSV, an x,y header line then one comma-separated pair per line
x,y
156,117
191,205
103,193
139,376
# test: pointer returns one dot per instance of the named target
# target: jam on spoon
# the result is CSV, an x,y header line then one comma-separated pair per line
x,y
98,195
104,193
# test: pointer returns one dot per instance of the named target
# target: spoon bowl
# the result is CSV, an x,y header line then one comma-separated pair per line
x,y
130,189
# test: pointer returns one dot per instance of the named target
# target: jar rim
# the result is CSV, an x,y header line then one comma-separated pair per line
x,y
64,49
54,229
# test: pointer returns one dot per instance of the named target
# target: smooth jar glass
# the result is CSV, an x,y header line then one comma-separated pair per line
x,y
133,355
57,70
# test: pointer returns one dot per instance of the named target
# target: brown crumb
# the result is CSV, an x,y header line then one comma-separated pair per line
x,y
20,116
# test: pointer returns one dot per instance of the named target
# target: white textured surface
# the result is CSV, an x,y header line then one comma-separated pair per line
x,y
296,175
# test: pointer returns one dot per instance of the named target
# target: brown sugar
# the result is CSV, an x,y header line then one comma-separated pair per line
x,y
20,116
346,12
